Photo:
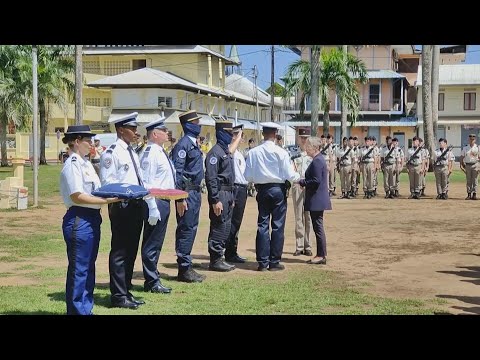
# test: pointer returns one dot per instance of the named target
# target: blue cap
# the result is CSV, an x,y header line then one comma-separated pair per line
x,y
158,123
126,120
79,130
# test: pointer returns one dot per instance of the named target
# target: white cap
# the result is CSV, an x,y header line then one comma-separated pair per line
x,y
158,123
270,126
126,120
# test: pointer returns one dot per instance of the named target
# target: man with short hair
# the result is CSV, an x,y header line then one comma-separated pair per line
x,y
345,160
415,166
398,170
443,165
469,164
270,169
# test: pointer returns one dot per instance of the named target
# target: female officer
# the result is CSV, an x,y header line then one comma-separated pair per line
x,y
81,223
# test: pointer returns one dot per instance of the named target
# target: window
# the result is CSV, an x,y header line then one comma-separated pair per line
x,y
469,99
441,101
374,93
115,67
107,102
92,101
91,67
166,100
139,64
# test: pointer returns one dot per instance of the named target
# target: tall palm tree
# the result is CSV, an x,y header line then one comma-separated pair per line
x,y
339,72
56,69
427,100
14,102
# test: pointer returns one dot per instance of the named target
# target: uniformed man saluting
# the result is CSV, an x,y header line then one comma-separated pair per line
x,y
220,179
270,169
119,164
188,161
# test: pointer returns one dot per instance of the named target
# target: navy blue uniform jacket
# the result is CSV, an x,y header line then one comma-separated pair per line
x,y
316,185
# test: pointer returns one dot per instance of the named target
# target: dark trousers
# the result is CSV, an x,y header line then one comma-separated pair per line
x,y
81,231
187,230
271,199
126,225
317,222
237,217
220,226
153,237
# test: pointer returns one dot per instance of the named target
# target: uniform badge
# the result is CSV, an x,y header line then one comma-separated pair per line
x,y
239,162
126,167
145,165
213,160
182,154
107,162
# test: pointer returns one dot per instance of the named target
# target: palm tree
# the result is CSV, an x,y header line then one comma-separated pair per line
x,y
56,69
427,100
339,72
14,102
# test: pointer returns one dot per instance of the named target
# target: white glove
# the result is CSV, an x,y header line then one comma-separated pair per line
x,y
153,216
153,213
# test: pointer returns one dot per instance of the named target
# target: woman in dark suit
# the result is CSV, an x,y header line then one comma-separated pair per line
x,y
317,198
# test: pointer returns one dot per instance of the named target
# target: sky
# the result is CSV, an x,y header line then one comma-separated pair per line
x,y
260,55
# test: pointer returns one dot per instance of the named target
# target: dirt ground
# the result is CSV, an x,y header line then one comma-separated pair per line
x,y
399,248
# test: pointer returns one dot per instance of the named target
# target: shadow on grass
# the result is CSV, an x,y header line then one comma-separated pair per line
x,y
475,300
33,312
138,275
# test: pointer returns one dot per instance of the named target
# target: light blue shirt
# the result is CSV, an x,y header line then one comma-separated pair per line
x,y
268,163
78,176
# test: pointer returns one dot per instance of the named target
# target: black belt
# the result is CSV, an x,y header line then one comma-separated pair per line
x,y
241,185
193,187
95,161
83,210
270,185
226,188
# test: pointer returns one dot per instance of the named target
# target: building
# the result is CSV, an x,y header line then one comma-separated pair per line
x,y
383,99
458,105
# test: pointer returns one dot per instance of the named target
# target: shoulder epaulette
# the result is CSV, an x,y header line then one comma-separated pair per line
x,y
110,149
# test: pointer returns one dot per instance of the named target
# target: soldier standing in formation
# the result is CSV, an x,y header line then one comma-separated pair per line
x,y
426,164
345,159
303,223
469,164
356,167
399,168
443,165
367,154
415,166
389,165
332,177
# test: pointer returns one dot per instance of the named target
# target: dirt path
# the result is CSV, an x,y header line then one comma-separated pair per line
x,y
422,249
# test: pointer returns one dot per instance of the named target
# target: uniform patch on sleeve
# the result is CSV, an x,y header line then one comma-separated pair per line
x,y
182,154
213,160
145,164
107,162
126,167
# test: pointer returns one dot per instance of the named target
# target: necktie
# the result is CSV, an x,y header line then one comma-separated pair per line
x,y
130,151
170,163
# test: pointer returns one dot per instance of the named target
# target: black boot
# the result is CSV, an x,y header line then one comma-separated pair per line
x,y
469,197
221,266
474,196
387,195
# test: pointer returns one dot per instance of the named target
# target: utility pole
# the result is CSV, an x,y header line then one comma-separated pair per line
x,y
78,85
272,87
35,126
257,115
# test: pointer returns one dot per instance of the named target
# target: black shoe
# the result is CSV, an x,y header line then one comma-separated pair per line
x,y
396,193
308,253
445,196
298,253
236,259
276,267
474,196
334,193
124,303
262,268
132,299
469,197
387,195
159,289
318,262
220,266
190,276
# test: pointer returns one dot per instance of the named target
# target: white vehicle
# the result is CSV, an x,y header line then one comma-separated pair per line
x,y
106,139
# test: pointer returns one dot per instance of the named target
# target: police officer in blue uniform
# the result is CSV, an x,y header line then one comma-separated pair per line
x,y
158,173
270,169
220,179
81,223
188,161
120,165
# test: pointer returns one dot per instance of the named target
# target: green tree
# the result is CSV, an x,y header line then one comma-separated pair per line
x,y
15,104
339,72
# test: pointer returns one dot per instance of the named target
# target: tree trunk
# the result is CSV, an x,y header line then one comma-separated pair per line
x,y
315,70
43,130
78,85
3,141
343,119
435,86
427,100
326,118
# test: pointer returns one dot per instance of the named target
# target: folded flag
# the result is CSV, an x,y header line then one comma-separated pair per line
x,y
121,191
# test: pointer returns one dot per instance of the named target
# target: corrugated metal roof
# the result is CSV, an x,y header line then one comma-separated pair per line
x,y
241,85
384,74
358,123
148,77
156,49
460,74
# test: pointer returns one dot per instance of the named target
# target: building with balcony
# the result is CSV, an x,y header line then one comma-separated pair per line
x,y
458,105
